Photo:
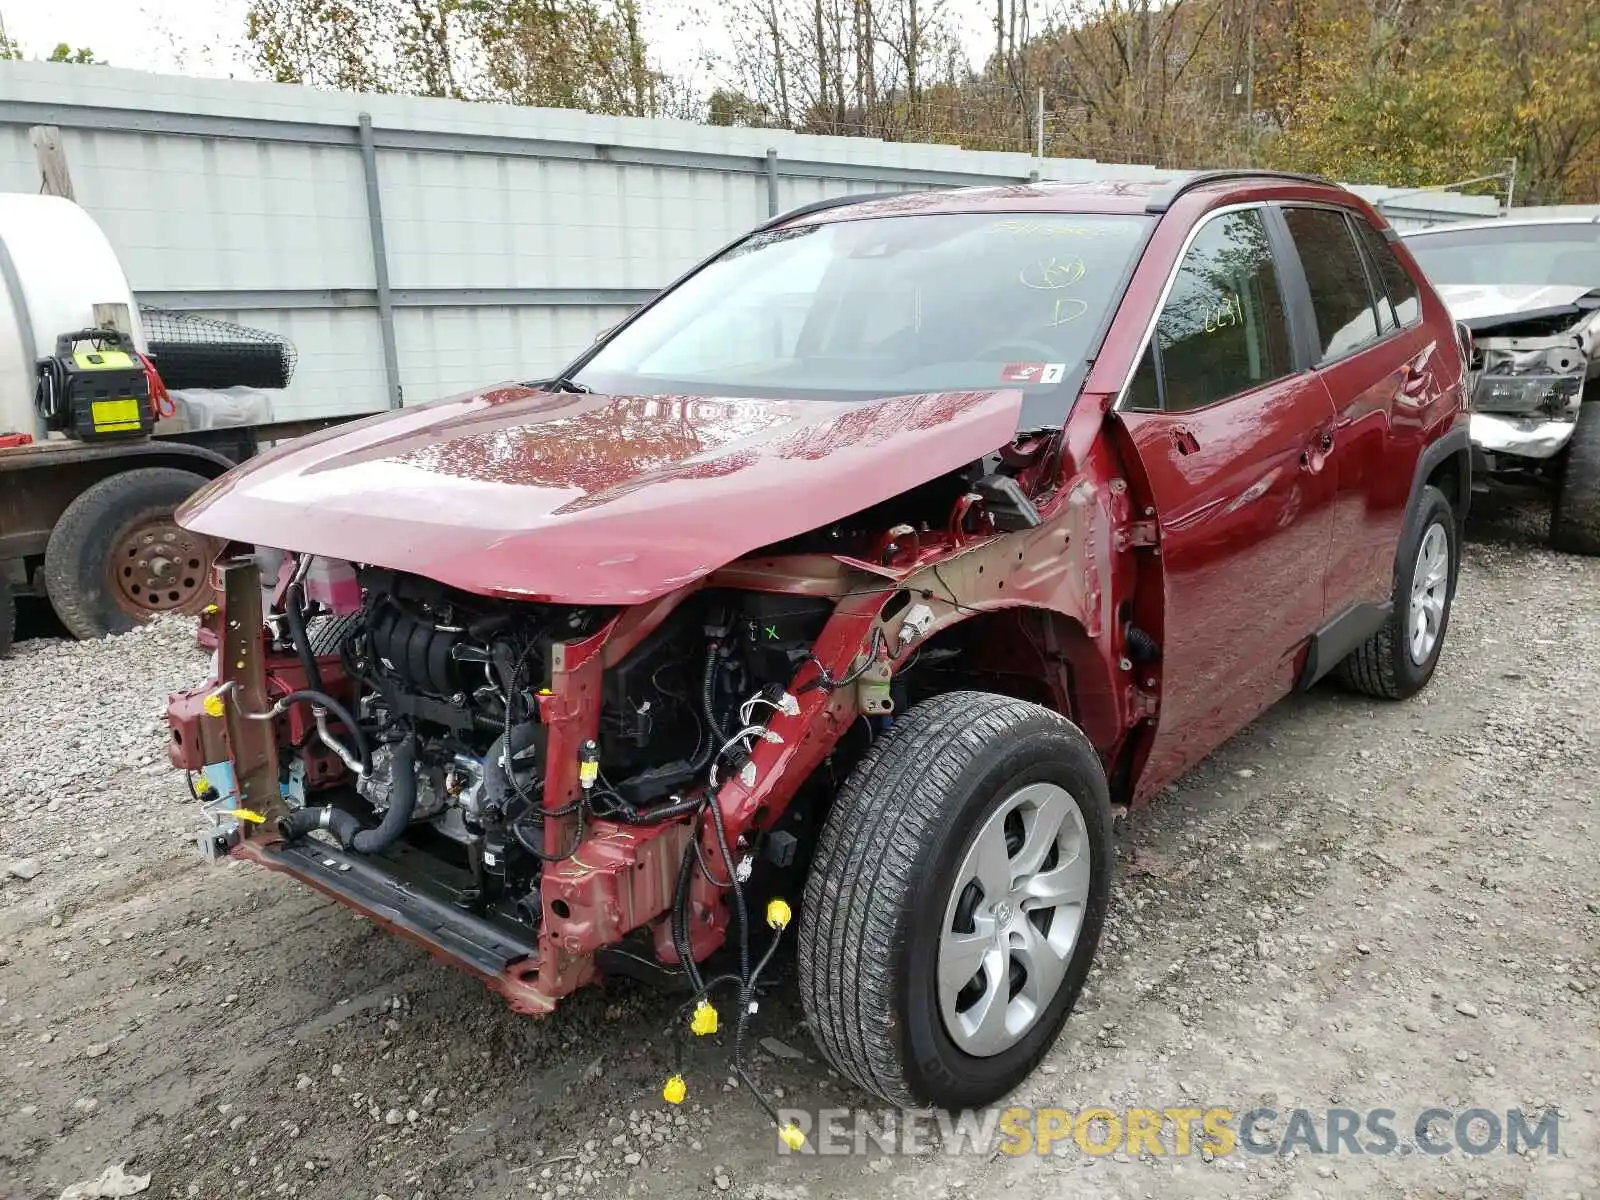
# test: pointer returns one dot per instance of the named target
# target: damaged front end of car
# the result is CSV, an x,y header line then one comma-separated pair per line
x,y
1529,372
547,764
515,785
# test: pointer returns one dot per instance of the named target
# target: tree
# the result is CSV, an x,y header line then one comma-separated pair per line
x,y
1140,79
838,66
358,45
588,54
726,107
569,55
1440,91
11,51
66,54
1408,92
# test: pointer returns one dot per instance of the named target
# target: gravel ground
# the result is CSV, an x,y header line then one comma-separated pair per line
x,y
1352,903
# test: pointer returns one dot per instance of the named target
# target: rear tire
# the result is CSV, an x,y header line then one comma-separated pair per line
x,y
1575,519
1389,665
160,567
891,866
8,611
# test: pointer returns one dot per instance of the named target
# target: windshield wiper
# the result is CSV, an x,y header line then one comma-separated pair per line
x,y
564,383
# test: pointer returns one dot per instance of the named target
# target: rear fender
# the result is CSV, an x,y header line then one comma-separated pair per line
x,y
1448,460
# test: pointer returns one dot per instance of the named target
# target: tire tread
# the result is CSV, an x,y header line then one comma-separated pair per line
x,y
81,603
863,871
1373,668
1575,517
8,612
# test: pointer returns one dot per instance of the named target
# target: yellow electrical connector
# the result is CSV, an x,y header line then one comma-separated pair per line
x,y
202,787
245,814
779,914
588,765
792,1137
212,705
210,610
704,1020
675,1090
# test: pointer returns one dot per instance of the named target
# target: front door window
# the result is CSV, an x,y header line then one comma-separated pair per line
x,y
1222,331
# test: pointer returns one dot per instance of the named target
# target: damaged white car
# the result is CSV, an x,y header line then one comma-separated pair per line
x,y
1529,290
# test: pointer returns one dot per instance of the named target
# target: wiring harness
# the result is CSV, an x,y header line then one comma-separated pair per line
x,y
698,1015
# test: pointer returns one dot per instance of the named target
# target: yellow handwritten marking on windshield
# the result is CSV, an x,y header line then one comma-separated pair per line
x,y
1053,272
1068,308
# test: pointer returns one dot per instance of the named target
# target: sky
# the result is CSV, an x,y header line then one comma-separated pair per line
x,y
204,37
185,37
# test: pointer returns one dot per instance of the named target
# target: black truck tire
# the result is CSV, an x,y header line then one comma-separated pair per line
x,y
8,612
890,868
116,558
1575,518
1386,664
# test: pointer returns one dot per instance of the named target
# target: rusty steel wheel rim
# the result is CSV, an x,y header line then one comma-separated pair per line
x,y
159,567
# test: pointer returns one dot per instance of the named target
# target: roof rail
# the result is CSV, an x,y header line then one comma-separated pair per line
x,y
805,210
1162,200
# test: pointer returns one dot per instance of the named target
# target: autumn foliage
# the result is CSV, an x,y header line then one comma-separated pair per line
x,y
1410,92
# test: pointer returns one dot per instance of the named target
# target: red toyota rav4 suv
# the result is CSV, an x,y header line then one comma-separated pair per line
x,y
866,569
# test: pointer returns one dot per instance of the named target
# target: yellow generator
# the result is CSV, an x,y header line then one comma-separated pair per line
x,y
95,387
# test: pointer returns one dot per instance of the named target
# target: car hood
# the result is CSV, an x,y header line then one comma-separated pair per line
x,y
1474,303
591,499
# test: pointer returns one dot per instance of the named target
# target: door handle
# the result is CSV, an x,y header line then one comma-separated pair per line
x,y
1315,455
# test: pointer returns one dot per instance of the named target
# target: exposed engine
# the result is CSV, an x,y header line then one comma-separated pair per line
x,y
450,742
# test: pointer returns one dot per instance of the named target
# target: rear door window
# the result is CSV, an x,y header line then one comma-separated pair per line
x,y
1347,319
1222,330
1398,287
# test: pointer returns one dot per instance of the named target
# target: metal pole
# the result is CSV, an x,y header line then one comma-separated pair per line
x,y
772,182
380,262
1038,132
1511,182
1250,89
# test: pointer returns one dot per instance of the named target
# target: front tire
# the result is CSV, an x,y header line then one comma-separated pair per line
x,y
1397,661
975,840
1575,518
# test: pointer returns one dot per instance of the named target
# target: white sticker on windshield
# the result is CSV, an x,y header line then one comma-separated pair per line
x,y
1032,372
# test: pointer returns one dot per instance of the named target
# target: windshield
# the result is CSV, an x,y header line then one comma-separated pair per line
x,y
857,309
1511,254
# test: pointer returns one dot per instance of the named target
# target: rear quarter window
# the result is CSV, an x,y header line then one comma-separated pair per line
x,y
1400,290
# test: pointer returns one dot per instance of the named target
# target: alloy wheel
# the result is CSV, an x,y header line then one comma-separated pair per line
x,y
1012,919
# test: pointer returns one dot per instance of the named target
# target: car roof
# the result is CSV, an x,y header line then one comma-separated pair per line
x,y
1106,196
1501,223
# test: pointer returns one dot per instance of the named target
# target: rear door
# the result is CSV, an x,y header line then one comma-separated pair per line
x,y
1228,434
1378,365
